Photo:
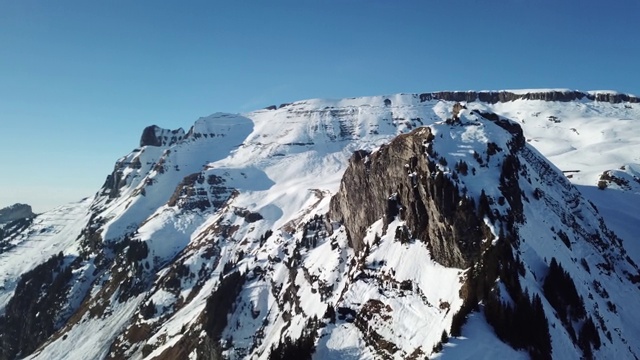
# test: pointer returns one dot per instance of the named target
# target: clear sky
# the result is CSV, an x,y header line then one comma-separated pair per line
x,y
79,80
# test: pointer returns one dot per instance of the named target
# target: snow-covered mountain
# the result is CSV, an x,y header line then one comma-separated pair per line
x,y
441,225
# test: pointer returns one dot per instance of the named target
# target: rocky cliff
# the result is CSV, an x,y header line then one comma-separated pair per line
x,y
15,212
156,136
402,179
493,97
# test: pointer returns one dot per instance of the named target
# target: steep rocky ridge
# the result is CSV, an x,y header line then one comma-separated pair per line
x,y
400,178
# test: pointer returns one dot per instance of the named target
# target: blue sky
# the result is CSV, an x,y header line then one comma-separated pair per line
x,y
79,80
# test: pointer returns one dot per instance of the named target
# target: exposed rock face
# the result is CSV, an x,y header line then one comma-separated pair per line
x,y
194,193
113,183
116,180
33,314
400,179
493,97
155,136
13,219
15,212
149,137
12,229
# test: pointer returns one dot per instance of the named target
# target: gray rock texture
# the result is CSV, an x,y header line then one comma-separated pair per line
x,y
493,97
15,212
401,180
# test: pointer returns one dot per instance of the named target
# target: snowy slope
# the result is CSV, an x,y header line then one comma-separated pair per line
x,y
229,220
50,233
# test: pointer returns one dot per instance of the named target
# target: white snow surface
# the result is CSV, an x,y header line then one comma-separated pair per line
x,y
478,341
51,233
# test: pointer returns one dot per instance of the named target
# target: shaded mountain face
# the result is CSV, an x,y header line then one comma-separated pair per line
x,y
384,227
15,212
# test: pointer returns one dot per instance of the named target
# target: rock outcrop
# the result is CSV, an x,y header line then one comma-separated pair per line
x,y
493,97
15,212
194,193
156,136
401,180
34,312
